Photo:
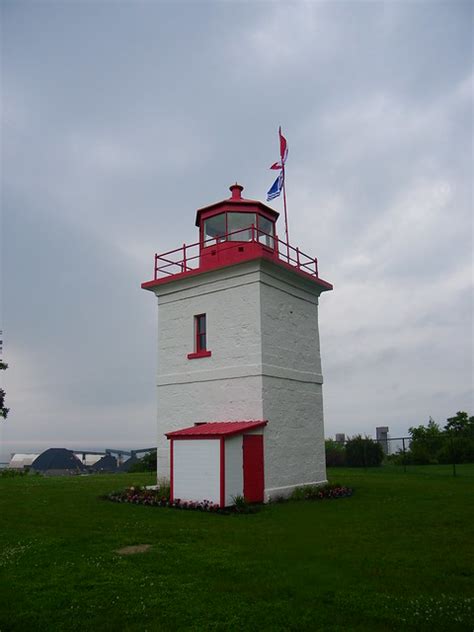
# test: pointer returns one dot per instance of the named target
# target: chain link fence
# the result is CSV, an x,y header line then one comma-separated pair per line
x,y
447,450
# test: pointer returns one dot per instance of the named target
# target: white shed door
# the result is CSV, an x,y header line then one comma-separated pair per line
x,y
196,466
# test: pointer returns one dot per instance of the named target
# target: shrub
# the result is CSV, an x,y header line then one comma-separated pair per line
x,y
335,453
363,452
457,450
12,473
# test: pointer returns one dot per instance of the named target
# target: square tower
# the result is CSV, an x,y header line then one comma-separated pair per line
x,y
238,339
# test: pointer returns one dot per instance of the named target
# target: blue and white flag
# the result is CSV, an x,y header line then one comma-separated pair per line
x,y
276,188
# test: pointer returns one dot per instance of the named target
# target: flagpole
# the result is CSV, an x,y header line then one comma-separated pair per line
x,y
286,215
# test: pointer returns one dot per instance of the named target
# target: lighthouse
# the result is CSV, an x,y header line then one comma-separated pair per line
x,y
239,379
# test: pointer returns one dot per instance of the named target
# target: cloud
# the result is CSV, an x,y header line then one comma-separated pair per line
x,y
116,130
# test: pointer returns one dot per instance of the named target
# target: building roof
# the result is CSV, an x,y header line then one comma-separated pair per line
x,y
216,429
21,460
107,463
57,459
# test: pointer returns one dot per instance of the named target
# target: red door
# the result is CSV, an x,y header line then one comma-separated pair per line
x,y
253,468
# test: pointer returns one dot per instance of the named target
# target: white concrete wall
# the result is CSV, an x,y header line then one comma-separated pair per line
x,y
226,386
294,436
262,324
292,385
289,321
197,470
234,473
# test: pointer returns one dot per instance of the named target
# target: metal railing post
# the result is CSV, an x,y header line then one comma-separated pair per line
x,y
184,258
452,456
156,266
316,266
297,257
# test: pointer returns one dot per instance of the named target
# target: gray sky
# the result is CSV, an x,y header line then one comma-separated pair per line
x,y
121,118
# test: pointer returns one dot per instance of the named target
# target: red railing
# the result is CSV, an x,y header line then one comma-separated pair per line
x,y
191,256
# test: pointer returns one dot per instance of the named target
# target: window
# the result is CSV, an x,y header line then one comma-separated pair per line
x,y
200,338
241,223
200,332
267,227
214,228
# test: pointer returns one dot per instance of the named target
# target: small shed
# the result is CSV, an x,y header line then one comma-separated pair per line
x,y
218,461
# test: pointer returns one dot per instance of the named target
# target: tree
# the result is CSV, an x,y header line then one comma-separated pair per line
x,y
146,464
452,444
460,425
426,441
363,452
3,409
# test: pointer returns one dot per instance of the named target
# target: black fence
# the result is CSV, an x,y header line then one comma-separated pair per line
x,y
448,450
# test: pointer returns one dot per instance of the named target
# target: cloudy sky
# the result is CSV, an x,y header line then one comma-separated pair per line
x,y
121,118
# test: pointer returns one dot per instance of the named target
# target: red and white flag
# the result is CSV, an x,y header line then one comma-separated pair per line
x,y
283,152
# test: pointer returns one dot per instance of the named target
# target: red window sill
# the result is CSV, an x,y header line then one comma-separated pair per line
x,y
199,354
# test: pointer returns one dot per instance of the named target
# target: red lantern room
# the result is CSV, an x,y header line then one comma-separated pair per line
x,y
232,231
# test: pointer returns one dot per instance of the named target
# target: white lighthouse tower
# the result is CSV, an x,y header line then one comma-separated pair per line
x,y
238,341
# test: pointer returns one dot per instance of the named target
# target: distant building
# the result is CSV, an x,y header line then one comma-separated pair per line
x,y
382,437
88,459
107,464
21,461
58,462
125,467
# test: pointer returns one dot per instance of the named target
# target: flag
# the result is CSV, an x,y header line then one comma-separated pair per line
x,y
283,147
275,189
283,152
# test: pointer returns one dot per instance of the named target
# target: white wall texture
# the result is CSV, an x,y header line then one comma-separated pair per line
x,y
197,470
262,323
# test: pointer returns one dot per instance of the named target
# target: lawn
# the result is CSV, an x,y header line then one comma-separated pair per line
x,y
398,555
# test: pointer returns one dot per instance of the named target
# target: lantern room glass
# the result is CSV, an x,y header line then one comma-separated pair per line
x,y
266,231
240,225
214,228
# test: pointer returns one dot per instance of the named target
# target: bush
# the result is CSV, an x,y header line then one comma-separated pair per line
x,y
363,452
335,453
457,450
12,473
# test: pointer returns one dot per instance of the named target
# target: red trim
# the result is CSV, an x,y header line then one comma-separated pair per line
x,y
215,429
199,354
171,470
200,328
222,498
250,255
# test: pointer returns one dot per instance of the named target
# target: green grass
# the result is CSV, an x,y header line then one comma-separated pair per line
x,y
398,555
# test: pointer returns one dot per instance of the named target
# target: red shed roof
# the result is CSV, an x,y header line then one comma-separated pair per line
x,y
216,429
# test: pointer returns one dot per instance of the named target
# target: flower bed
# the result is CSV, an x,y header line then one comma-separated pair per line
x,y
330,491
160,497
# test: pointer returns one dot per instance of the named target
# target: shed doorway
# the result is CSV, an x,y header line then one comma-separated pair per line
x,y
252,447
